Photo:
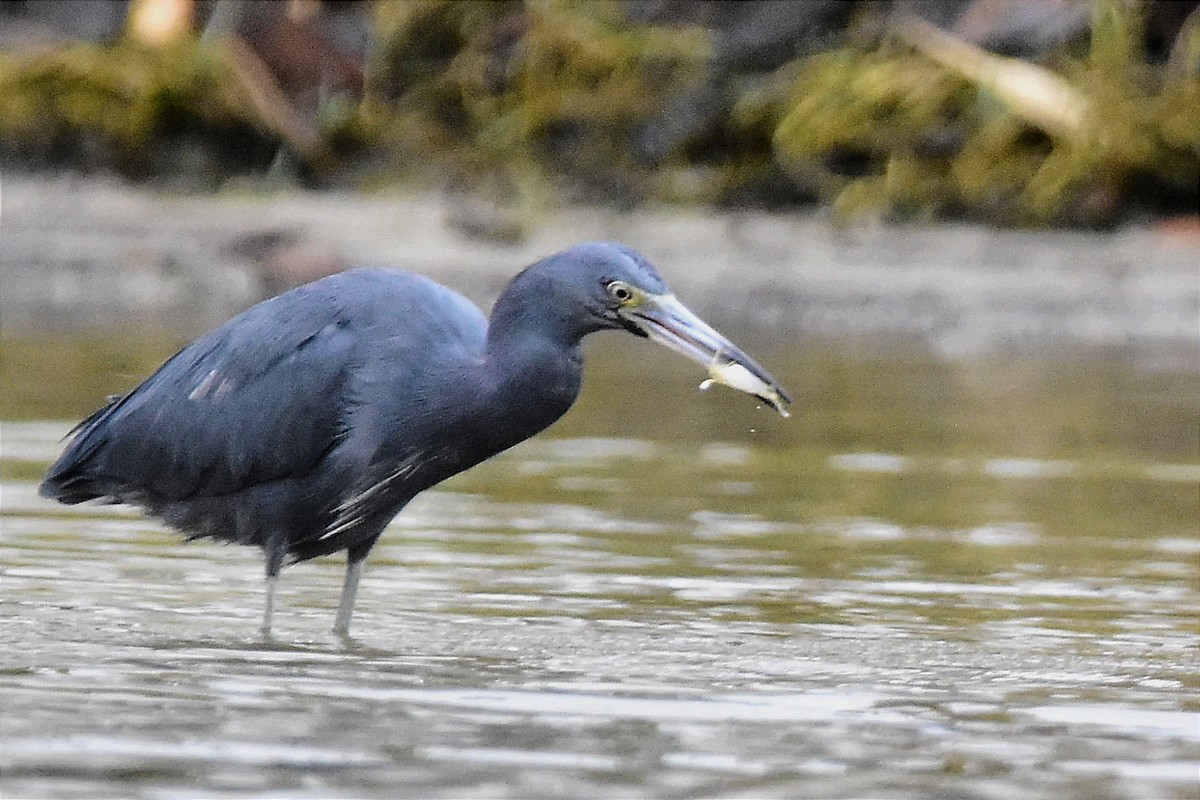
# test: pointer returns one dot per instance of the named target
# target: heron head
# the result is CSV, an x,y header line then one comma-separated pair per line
x,y
622,289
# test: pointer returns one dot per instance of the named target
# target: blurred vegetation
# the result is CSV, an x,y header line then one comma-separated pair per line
x,y
139,111
994,140
535,102
525,94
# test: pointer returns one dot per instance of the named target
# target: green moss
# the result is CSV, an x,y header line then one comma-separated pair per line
x,y
529,92
545,100
882,106
116,101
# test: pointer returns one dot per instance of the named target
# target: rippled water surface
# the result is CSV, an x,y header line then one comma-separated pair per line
x,y
975,580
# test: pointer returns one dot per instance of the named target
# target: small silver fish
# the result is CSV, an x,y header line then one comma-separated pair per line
x,y
725,371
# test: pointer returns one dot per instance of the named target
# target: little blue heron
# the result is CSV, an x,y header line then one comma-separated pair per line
x,y
305,424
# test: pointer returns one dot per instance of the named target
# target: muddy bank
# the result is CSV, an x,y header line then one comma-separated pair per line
x,y
81,255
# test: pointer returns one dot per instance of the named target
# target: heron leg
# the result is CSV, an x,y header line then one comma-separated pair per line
x,y
275,552
354,566
269,607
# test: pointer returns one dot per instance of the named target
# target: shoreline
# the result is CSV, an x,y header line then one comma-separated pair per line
x,y
83,254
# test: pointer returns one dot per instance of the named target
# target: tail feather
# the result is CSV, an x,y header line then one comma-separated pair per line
x,y
69,479
70,491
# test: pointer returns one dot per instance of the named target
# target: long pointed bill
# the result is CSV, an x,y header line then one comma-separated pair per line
x,y
667,321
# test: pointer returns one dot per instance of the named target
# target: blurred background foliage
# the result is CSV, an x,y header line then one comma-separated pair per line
x,y
1013,112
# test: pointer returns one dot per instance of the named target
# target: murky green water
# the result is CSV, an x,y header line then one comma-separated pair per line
x,y
959,580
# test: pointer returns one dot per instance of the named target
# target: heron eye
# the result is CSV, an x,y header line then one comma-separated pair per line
x,y
620,291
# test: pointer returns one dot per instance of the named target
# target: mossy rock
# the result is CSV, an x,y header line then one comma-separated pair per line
x,y
923,141
535,92
136,110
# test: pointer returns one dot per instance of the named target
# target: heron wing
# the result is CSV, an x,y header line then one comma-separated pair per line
x,y
264,397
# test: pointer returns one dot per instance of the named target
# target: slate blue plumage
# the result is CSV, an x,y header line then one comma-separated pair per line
x,y
306,423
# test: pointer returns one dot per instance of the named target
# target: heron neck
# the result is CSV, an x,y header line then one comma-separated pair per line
x,y
534,369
